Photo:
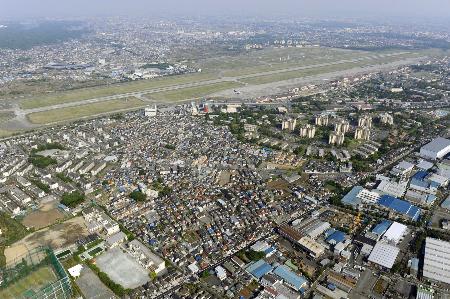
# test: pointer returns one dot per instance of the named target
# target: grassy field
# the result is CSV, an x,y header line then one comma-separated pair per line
x,y
12,231
81,111
102,91
192,92
33,281
228,66
322,69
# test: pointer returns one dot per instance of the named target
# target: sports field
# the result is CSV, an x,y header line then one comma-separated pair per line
x,y
30,284
81,111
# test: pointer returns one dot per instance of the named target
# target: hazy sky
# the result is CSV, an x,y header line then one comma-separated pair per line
x,y
302,8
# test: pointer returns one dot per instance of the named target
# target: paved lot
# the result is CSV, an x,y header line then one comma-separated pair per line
x,y
122,268
91,286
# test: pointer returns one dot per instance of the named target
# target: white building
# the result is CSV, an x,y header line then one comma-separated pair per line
x,y
322,120
336,138
436,149
150,111
395,233
146,257
436,265
221,273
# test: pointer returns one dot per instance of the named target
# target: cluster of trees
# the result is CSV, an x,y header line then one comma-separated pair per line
x,y
41,161
138,195
41,185
170,146
63,178
72,199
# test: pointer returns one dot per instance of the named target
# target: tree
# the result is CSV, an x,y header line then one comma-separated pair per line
x,y
138,195
72,199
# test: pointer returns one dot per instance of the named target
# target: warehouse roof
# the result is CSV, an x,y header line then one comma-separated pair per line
x,y
437,144
395,232
384,255
259,269
290,277
351,198
382,227
400,206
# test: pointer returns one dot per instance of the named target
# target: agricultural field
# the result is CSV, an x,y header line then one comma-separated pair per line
x,y
30,284
192,92
82,111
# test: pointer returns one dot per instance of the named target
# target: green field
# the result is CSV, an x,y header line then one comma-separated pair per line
x,y
255,80
81,111
29,284
120,88
253,62
193,92
12,231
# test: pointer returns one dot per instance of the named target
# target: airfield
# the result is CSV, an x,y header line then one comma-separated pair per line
x,y
252,74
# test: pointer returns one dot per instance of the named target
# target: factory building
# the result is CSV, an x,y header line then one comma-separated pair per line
x,y
436,264
436,149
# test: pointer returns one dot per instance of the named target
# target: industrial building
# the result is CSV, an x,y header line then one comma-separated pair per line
x,y
436,264
395,233
436,149
290,278
384,255
400,206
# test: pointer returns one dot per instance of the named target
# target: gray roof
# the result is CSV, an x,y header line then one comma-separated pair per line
x,y
437,144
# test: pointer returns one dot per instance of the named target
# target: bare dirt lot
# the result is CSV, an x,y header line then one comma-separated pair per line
x,y
122,268
57,236
47,214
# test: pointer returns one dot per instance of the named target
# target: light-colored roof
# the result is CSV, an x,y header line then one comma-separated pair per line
x,y
384,254
75,270
436,145
395,232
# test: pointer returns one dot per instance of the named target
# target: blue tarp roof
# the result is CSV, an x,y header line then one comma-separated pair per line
x,y
419,183
259,269
350,198
336,237
400,206
382,227
420,175
329,232
290,277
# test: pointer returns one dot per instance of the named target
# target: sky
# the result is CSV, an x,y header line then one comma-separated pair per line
x,y
406,9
